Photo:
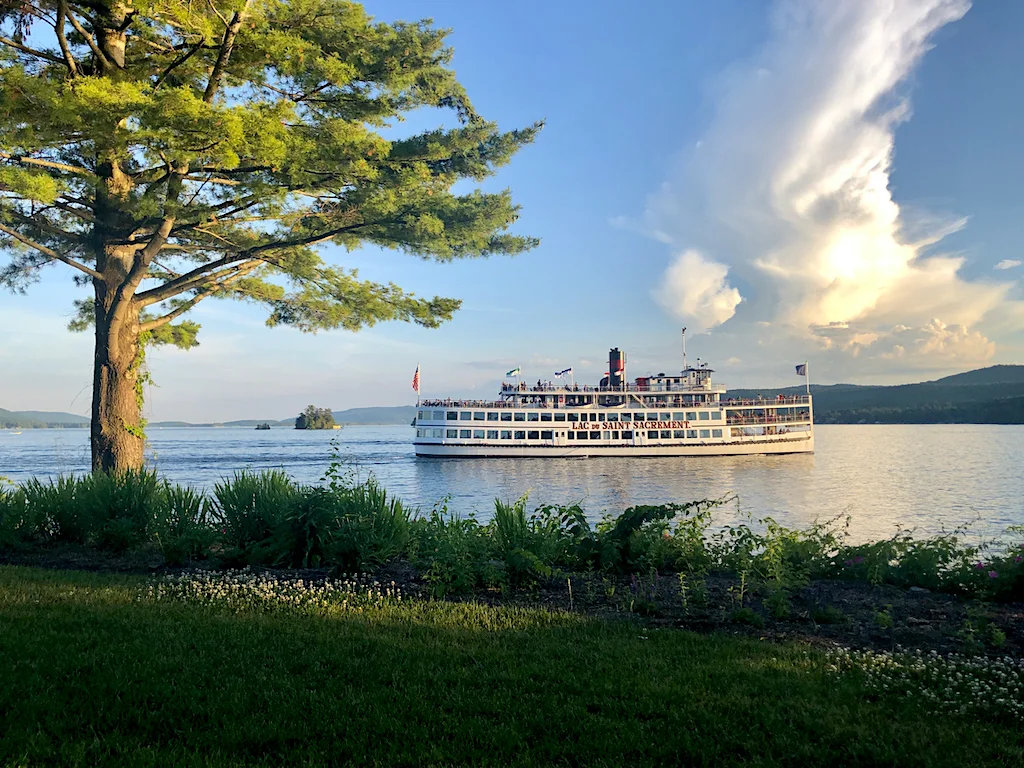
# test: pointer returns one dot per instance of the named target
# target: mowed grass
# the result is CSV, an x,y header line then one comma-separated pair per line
x,y
90,675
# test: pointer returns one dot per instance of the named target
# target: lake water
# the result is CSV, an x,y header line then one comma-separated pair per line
x,y
926,477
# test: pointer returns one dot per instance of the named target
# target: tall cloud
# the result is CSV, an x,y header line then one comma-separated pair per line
x,y
695,289
787,194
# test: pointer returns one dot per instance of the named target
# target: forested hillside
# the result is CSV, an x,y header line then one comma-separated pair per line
x,y
992,395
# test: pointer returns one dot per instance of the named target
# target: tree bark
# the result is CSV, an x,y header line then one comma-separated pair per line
x,y
117,437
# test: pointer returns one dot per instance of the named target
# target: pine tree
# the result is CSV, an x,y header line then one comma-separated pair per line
x,y
171,151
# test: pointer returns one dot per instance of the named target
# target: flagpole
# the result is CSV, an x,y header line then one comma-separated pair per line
x,y
807,376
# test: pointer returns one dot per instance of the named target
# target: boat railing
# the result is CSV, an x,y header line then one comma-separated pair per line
x,y
782,401
767,402
736,419
580,388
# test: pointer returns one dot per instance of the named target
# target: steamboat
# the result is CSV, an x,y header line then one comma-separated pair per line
x,y
682,414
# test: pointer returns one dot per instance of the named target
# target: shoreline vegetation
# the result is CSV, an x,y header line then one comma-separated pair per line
x,y
343,627
670,564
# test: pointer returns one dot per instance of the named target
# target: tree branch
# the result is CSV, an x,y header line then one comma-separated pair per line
x,y
58,27
51,253
89,39
31,51
175,64
22,160
201,273
185,282
234,275
40,223
149,325
308,240
225,54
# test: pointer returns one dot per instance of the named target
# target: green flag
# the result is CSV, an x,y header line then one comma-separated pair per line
x,y
514,372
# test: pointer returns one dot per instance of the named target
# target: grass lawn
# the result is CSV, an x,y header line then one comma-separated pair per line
x,y
90,675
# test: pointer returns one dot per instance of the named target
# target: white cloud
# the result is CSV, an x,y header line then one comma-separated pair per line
x,y
695,289
1008,264
788,197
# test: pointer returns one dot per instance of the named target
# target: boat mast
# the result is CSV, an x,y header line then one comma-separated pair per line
x,y
684,349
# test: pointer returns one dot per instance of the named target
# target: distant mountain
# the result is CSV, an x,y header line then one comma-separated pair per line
x,y
398,414
36,419
996,374
993,395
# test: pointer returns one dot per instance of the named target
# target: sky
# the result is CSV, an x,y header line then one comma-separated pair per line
x,y
791,180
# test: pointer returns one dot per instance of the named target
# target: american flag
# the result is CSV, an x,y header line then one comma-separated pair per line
x,y
416,380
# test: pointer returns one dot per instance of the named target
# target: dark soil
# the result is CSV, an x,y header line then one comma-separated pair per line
x,y
825,612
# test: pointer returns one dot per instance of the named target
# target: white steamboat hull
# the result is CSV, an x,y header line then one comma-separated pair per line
x,y
737,448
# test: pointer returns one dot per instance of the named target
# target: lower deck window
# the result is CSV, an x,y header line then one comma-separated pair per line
x,y
465,433
627,435
546,435
452,433
520,434
506,434
595,435
533,435
691,434
478,434
652,434
716,433
705,433
666,434
492,434
678,434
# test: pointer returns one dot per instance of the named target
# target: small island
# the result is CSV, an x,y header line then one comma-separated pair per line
x,y
315,418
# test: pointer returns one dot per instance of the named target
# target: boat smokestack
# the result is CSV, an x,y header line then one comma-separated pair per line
x,y
616,368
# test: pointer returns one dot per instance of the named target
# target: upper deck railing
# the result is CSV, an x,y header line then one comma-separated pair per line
x,y
782,400
523,388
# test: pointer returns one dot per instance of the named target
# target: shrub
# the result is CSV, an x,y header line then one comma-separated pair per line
x,y
828,615
517,541
453,553
185,531
18,525
57,509
123,509
346,527
379,524
248,508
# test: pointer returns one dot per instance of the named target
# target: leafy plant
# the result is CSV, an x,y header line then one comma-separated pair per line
x,y
18,525
828,614
248,509
185,533
125,507
747,616
58,507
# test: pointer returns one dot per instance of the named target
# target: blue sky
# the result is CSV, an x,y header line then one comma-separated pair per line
x,y
792,181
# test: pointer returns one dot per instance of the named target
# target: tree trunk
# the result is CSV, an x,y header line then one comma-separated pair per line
x,y
117,437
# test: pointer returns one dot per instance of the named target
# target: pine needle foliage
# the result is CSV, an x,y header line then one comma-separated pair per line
x,y
171,151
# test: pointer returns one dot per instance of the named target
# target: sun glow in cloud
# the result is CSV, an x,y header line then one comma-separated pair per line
x,y
787,195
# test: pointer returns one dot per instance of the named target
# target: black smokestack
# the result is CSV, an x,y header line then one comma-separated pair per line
x,y
616,368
